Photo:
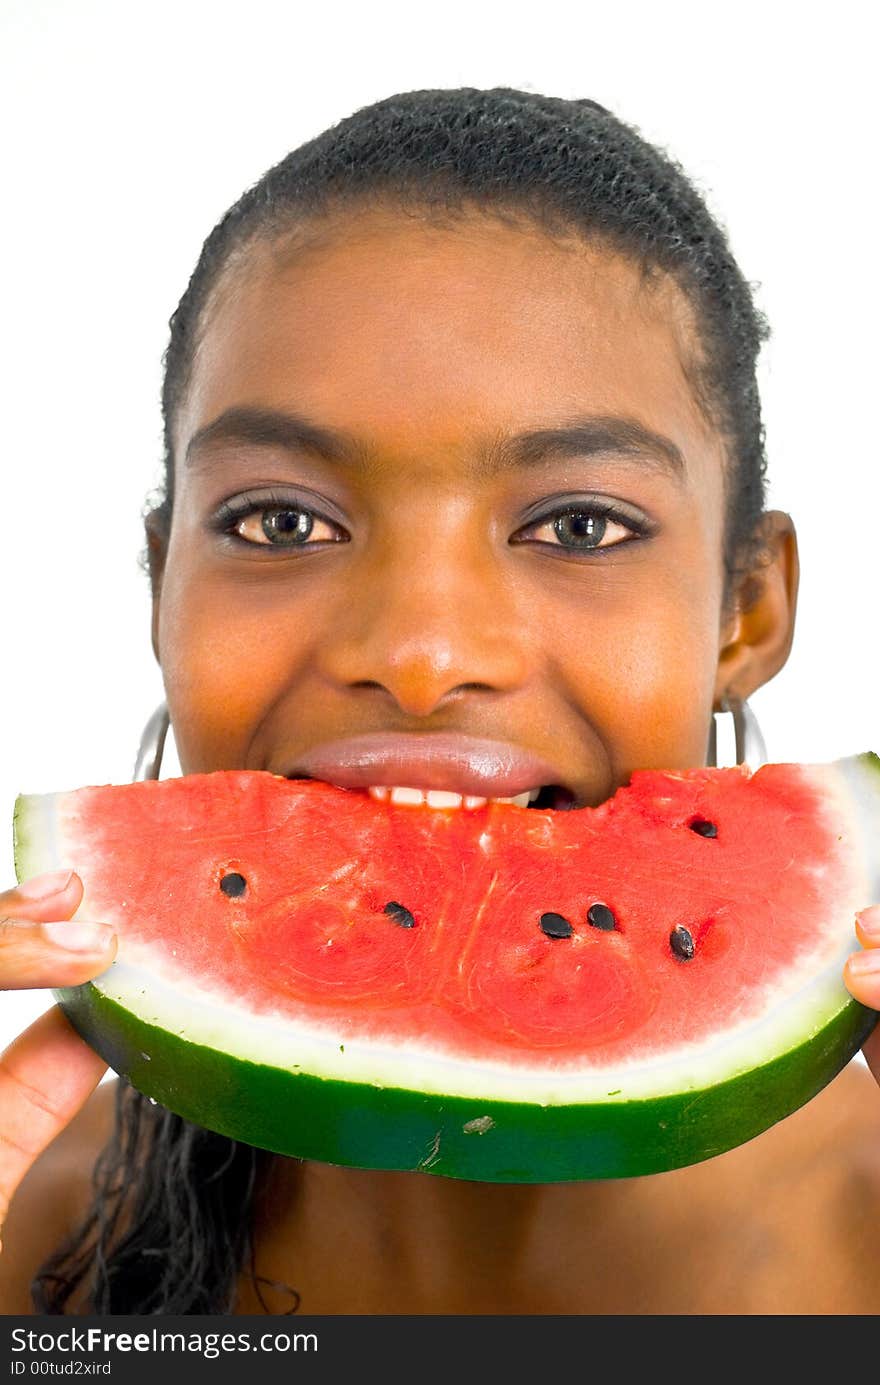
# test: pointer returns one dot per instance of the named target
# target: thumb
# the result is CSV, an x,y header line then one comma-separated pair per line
x,y
46,1075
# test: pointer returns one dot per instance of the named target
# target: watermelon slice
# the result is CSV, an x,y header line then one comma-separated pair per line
x,y
504,994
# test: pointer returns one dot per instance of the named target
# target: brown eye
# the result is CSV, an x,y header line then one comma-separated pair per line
x,y
584,528
286,527
292,526
581,529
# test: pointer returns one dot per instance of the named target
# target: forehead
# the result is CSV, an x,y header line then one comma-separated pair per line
x,y
409,333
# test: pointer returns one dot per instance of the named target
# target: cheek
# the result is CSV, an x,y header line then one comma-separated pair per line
x,y
640,663
227,649
669,676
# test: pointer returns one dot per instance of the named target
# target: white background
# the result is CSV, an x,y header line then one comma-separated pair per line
x,y
128,130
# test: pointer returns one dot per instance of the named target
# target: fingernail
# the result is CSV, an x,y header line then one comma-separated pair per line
x,y
865,963
869,922
78,937
42,886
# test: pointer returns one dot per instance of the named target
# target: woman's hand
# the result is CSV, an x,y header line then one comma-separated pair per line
x,y
47,1073
862,977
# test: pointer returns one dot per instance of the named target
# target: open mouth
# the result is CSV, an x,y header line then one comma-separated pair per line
x,y
552,797
445,771
555,797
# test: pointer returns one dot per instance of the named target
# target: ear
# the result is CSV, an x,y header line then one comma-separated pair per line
x,y
756,640
157,548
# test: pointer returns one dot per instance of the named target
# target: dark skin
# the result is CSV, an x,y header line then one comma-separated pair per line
x,y
429,348
433,593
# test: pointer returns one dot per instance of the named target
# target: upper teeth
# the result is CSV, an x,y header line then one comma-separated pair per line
x,y
441,798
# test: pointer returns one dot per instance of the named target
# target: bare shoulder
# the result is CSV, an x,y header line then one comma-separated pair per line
x,y
830,1146
798,1208
52,1199
832,1205
841,1124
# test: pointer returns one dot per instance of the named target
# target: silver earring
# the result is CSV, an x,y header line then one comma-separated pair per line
x,y
149,757
750,747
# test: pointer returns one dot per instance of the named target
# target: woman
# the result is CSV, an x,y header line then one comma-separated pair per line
x,y
462,437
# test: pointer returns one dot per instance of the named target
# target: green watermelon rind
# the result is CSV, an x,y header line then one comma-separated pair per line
x,y
370,1126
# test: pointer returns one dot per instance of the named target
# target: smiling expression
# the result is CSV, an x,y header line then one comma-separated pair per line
x,y
444,480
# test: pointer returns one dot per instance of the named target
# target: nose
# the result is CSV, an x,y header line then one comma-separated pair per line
x,y
429,622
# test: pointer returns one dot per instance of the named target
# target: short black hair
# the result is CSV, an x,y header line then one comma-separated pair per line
x,y
569,166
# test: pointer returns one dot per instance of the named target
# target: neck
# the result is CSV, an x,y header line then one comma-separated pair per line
x,y
408,1242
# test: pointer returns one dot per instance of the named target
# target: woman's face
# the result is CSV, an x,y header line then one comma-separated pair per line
x,y
421,587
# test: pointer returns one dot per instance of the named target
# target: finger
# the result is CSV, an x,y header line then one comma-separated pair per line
x,y
43,897
61,953
861,976
861,973
868,926
46,1076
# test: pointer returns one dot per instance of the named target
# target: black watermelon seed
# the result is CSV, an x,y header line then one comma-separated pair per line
x,y
555,926
399,914
682,943
233,884
600,916
703,828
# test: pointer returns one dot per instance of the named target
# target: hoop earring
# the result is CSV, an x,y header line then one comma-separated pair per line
x,y
750,747
149,757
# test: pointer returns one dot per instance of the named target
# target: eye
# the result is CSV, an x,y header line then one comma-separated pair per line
x,y
584,528
287,527
275,522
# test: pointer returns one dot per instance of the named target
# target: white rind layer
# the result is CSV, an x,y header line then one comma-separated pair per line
x,y
216,1024
815,995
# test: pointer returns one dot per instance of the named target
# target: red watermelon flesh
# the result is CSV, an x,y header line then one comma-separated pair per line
x,y
459,989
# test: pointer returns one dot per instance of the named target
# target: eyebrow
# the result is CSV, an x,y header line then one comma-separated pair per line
x,y
592,436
